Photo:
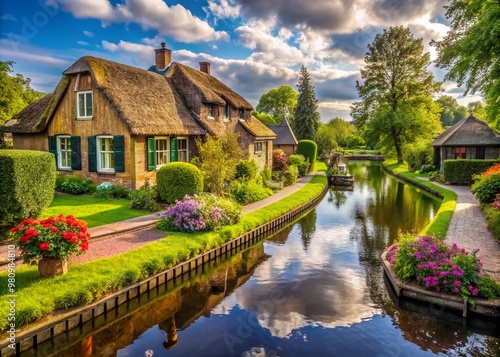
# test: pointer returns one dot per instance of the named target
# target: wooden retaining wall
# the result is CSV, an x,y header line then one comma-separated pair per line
x,y
60,327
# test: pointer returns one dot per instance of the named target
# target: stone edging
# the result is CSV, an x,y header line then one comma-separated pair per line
x,y
65,322
413,182
484,307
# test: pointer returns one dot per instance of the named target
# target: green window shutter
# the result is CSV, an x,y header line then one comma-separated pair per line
x,y
53,146
92,141
119,149
151,153
76,154
173,149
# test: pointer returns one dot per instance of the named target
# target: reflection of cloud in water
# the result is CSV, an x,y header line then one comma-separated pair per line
x,y
258,352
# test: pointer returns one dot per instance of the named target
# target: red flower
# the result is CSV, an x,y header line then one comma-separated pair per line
x,y
23,251
74,239
32,232
55,230
84,245
68,235
47,225
15,229
44,246
24,239
81,235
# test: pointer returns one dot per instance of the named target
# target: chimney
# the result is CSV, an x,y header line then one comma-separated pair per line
x,y
205,67
162,57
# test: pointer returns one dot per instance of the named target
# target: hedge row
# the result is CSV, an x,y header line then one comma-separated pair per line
x,y
309,150
27,187
460,172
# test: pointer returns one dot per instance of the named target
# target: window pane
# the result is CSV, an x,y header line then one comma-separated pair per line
x,y
81,105
89,104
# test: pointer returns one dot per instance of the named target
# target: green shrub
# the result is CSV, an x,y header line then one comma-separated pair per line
x,y
418,154
460,171
144,198
428,168
266,175
248,192
27,187
486,188
309,150
290,175
178,179
74,184
119,192
355,141
301,163
493,218
246,170
488,287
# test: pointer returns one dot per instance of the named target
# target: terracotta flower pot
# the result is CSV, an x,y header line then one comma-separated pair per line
x,y
48,267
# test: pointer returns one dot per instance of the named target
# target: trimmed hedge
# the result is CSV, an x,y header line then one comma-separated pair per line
x,y
309,150
178,179
460,171
28,185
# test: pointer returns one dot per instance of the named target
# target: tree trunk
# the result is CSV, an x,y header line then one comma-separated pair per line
x,y
397,144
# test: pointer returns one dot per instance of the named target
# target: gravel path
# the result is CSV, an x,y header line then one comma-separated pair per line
x,y
468,229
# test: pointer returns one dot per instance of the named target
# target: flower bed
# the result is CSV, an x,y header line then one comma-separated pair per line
x,y
437,267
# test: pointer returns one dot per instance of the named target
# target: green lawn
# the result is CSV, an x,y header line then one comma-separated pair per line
x,y
88,282
96,212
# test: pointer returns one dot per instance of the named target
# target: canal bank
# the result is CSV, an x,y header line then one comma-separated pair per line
x,y
266,220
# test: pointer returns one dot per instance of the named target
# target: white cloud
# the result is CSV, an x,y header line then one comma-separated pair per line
x,y
88,33
174,21
32,57
9,17
224,9
82,43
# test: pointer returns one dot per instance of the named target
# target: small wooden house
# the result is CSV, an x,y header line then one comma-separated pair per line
x,y
116,123
470,138
285,138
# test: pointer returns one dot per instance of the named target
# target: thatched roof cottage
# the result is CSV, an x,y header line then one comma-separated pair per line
x,y
470,138
116,123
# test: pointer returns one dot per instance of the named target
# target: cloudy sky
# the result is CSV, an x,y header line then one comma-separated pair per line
x,y
253,45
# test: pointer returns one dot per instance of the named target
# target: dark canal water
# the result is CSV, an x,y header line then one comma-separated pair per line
x,y
314,289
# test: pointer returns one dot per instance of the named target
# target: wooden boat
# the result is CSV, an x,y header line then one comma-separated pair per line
x,y
341,180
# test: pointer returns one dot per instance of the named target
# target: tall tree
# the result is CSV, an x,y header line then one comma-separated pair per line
x,y
306,116
452,112
279,103
397,106
15,92
471,49
325,138
477,109
342,130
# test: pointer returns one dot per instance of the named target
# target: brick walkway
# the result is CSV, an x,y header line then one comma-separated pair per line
x,y
468,229
120,237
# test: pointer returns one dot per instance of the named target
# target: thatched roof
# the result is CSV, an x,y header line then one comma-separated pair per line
x,y
468,132
257,129
26,120
143,100
284,134
209,88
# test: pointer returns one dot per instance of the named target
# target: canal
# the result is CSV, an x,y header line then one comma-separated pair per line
x,y
314,289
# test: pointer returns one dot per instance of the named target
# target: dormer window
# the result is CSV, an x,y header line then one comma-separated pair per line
x,y
226,112
242,114
211,110
84,103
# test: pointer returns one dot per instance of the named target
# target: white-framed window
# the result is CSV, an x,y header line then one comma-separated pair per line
x,y
211,111
257,147
182,149
242,114
226,112
64,152
105,154
84,105
162,151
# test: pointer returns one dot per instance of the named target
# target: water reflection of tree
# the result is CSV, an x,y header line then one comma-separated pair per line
x,y
307,227
337,197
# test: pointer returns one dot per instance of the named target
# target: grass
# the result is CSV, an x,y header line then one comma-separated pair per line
x,y
88,282
319,166
96,212
440,223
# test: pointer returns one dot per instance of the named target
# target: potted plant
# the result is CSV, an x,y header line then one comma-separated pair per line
x,y
50,242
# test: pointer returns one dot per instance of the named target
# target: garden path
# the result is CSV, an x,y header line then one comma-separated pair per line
x,y
468,229
120,237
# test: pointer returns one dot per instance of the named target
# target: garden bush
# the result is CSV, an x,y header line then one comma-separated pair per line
x,y
428,168
461,172
436,266
486,188
144,198
200,213
246,170
418,154
301,163
289,177
178,179
309,150
266,175
28,182
280,161
74,184
248,191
